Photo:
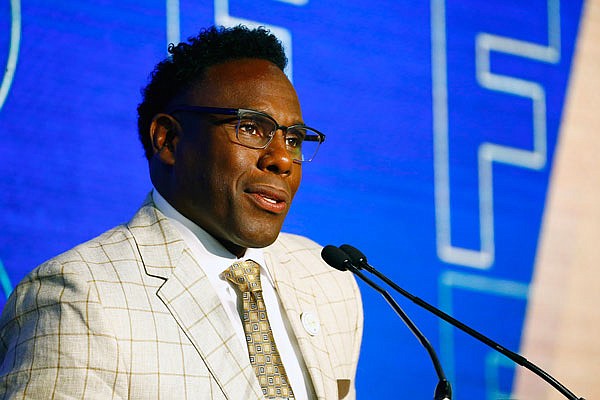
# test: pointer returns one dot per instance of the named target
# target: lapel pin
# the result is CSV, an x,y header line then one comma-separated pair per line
x,y
311,323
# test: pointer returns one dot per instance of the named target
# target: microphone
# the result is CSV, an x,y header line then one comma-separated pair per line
x,y
359,261
339,260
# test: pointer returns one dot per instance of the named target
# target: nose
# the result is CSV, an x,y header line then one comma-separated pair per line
x,y
275,157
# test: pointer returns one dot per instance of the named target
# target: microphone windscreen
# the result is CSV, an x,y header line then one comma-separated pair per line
x,y
334,257
356,256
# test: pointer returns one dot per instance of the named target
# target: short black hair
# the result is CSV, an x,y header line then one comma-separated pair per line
x,y
187,62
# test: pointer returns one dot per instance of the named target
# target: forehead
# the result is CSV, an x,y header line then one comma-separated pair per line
x,y
247,83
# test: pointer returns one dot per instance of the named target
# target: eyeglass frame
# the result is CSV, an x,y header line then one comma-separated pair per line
x,y
320,137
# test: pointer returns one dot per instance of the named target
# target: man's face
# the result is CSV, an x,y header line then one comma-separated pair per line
x,y
239,195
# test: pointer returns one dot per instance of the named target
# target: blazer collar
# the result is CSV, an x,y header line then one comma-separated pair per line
x,y
159,244
192,301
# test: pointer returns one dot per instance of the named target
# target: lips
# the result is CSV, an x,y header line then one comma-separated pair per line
x,y
269,198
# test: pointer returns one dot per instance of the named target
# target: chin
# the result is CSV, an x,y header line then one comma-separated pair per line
x,y
258,238
259,244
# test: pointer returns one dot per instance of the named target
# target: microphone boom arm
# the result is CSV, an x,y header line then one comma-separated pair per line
x,y
443,390
358,258
340,260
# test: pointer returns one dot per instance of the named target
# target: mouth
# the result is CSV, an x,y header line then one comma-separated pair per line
x,y
269,199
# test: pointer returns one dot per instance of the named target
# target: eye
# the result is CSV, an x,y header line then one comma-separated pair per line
x,y
249,127
293,142
294,138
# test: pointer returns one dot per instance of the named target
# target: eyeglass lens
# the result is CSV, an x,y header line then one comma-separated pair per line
x,y
256,130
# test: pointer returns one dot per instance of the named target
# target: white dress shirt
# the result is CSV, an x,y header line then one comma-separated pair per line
x,y
214,259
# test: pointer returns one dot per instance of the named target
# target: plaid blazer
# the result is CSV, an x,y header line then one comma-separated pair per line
x,y
131,315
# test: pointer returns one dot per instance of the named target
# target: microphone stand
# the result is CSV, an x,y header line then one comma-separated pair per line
x,y
443,390
340,261
359,258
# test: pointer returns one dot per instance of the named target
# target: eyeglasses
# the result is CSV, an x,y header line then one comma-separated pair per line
x,y
255,129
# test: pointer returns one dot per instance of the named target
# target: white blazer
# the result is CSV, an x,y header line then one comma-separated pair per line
x,y
130,315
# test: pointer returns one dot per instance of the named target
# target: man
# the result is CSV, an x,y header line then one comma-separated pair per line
x,y
150,309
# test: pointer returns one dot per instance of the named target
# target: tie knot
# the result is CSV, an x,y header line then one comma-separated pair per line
x,y
244,275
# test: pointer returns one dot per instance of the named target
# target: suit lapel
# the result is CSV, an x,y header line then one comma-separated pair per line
x,y
192,301
297,297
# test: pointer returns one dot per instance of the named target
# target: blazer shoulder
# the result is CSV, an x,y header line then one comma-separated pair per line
x,y
302,257
93,248
72,270
70,276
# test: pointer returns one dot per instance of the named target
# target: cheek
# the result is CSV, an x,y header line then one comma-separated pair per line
x,y
192,169
296,178
194,172
229,170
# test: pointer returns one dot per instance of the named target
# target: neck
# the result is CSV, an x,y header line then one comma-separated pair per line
x,y
234,249
165,202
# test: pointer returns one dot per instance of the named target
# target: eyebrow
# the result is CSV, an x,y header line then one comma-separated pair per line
x,y
301,122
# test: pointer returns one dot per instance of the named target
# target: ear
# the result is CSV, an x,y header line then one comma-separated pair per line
x,y
164,135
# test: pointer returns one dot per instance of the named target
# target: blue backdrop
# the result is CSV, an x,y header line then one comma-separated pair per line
x,y
441,119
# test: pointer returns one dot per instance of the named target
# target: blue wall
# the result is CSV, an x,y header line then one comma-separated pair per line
x,y
441,119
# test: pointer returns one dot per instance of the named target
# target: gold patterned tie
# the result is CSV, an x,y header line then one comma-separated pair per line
x,y
264,356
